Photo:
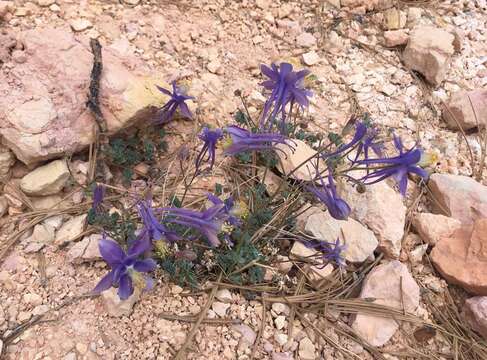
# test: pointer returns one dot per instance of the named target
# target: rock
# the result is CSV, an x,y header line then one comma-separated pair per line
x,y
54,221
305,40
306,349
280,308
383,284
248,335
461,197
220,308
45,3
414,14
300,251
431,227
224,295
42,233
131,2
116,307
291,158
475,312
46,180
45,115
3,205
461,257
429,51
466,110
7,160
311,58
395,38
70,230
280,338
5,7
80,24
381,209
48,202
320,272
416,255
393,20
360,242
32,299
280,322
85,250
282,356
334,3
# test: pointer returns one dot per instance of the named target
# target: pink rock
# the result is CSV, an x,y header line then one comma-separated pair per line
x,y
475,312
392,285
462,257
429,51
43,110
461,197
395,38
466,110
431,227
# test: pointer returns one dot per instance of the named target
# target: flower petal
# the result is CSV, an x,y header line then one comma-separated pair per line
x,y
111,252
146,265
104,284
126,287
140,245
185,110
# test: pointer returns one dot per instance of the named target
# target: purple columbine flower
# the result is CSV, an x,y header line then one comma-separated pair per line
x,y
126,267
166,113
154,228
98,195
286,86
207,153
207,222
227,212
241,140
360,133
329,251
398,166
328,195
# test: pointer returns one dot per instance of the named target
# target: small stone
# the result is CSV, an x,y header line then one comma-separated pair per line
x,y
42,233
54,221
429,51
55,8
466,110
475,312
306,40
70,230
462,257
306,349
320,272
461,196
280,322
395,38
45,3
282,356
85,250
389,284
224,295
431,227
416,255
48,202
46,180
248,335
5,7
311,58
32,299
220,308
213,66
176,290
70,356
392,19
280,338
116,307
414,14
280,308
3,205
131,2
80,24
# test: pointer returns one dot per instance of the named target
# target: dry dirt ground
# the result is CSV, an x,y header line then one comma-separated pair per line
x,y
219,45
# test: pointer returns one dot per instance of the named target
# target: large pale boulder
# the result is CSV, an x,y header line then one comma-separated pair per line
x,y
46,180
381,209
43,111
392,285
429,51
359,241
462,257
461,197
466,110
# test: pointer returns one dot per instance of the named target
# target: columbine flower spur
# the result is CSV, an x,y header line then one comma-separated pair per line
x,y
127,268
177,101
207,153
240,140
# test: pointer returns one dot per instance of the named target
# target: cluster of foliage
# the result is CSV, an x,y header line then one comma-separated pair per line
x,y
181,240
